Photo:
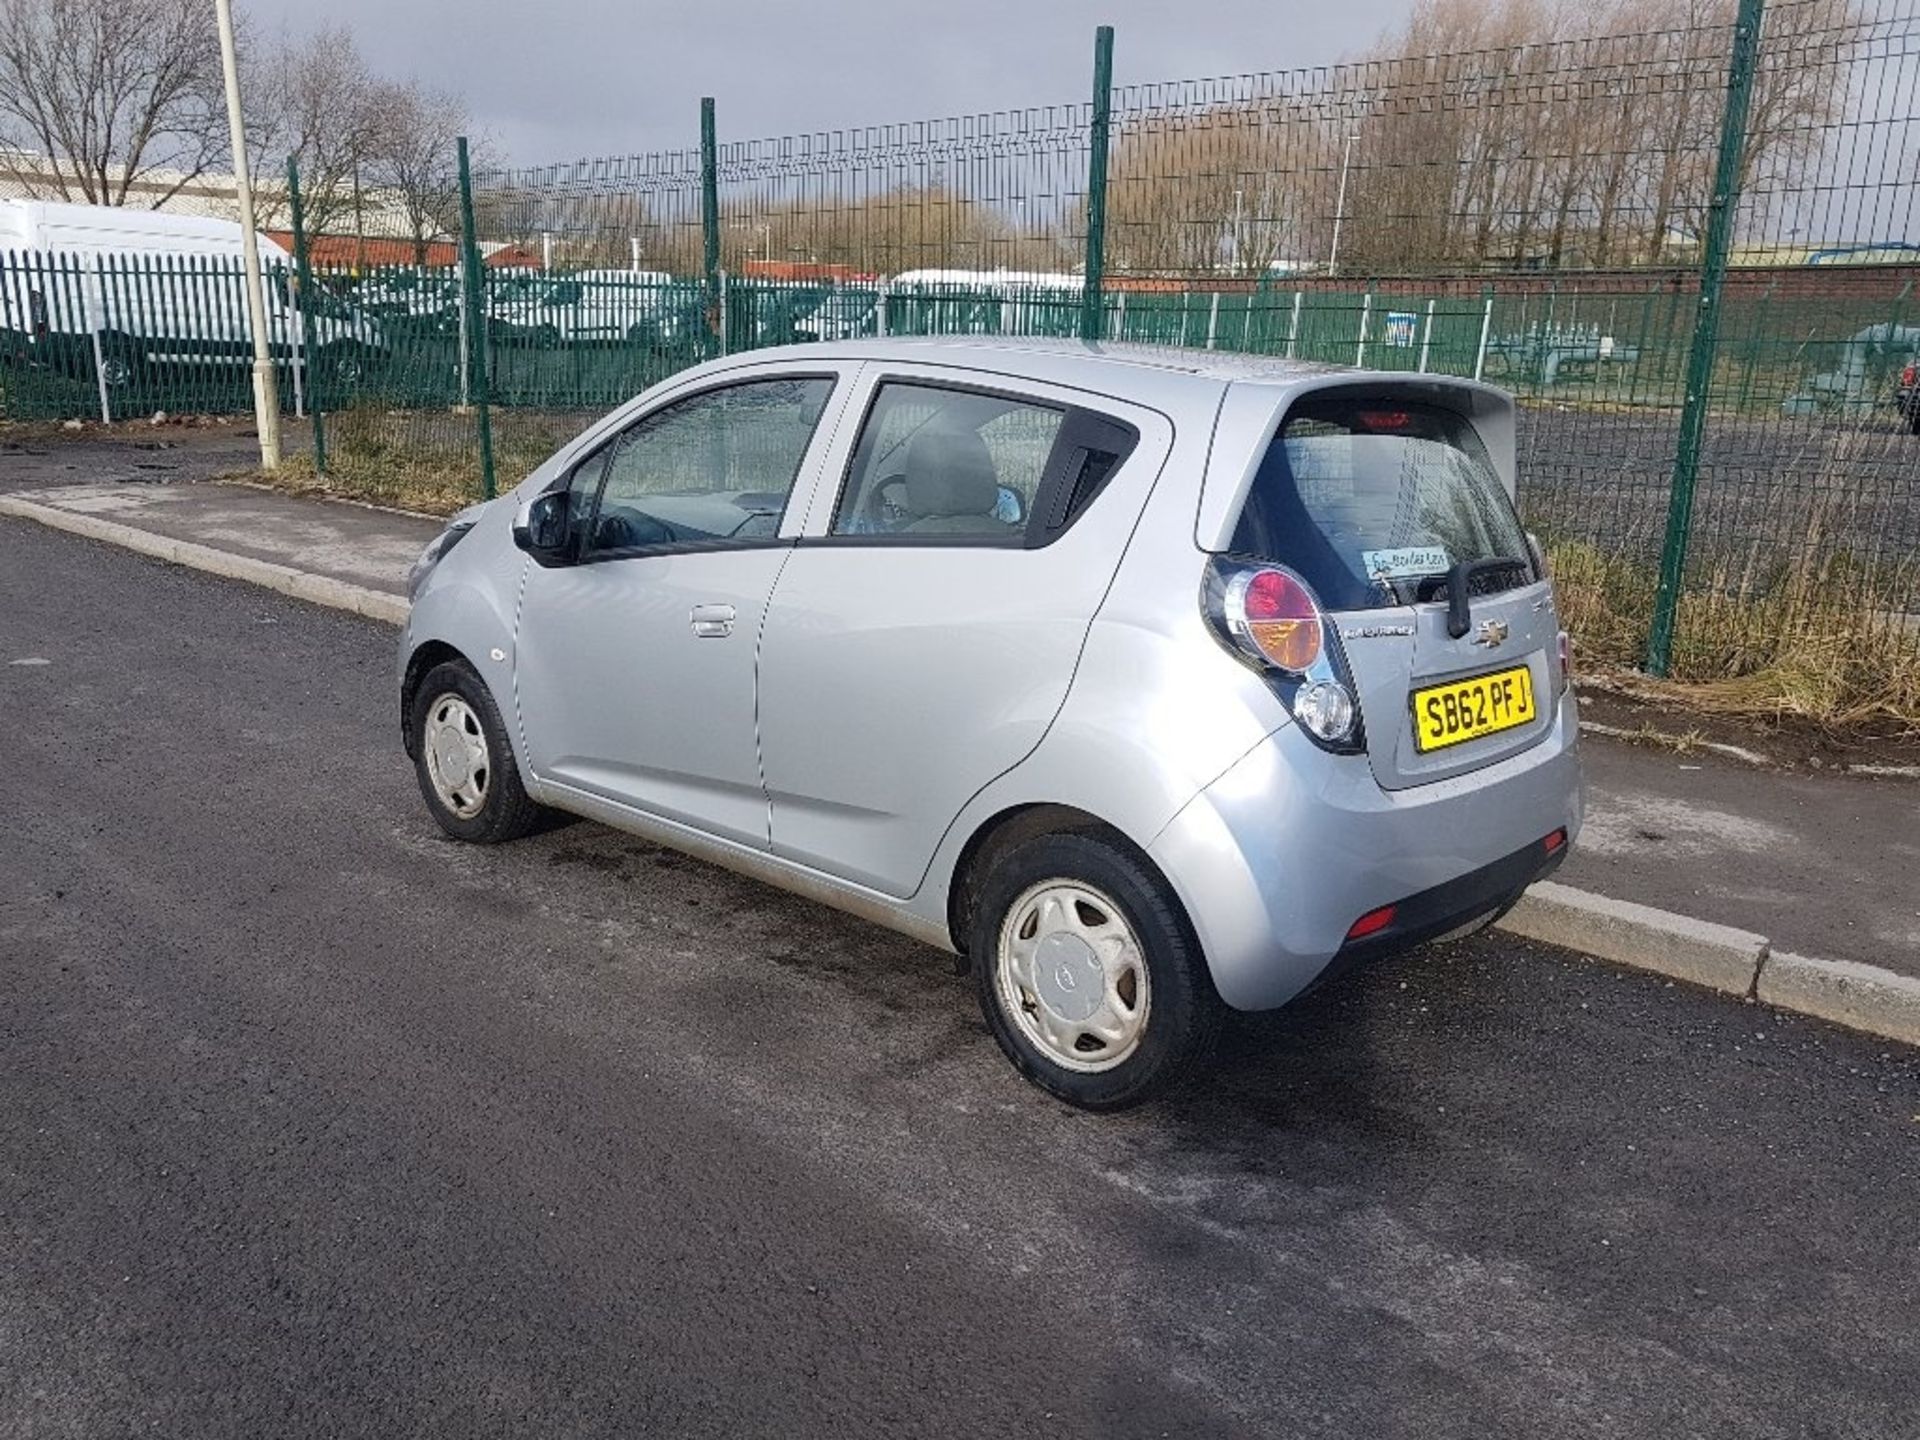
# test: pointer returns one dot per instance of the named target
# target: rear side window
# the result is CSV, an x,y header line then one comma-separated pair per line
x,y
1372,501
942,465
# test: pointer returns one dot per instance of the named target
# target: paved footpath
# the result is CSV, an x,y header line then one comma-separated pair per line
x,y
315,1123
1803,868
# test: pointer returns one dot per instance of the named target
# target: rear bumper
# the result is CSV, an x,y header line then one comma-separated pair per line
x,y
1478,895
1278,858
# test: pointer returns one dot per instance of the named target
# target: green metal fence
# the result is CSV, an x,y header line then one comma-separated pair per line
x,y
1535,214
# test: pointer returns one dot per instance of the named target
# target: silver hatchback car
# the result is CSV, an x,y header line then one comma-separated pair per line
x,y
1149,682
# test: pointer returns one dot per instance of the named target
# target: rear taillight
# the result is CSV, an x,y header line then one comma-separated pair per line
x,y
1268,617
1278,616
1907,376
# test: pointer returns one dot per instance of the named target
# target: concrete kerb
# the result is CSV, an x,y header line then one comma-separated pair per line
x,y
1717,956
1861,997
300,584
1736,962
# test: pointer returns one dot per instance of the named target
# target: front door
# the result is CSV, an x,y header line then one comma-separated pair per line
x,y
634,665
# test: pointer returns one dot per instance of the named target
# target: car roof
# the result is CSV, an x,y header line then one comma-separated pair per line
x,y
1076,363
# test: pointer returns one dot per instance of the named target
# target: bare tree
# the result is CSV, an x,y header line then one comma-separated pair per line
x,y
898,228
1556,132
318,103
411,154
121,99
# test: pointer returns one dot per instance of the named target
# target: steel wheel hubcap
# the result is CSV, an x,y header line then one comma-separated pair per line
x,y
1072,976
456,749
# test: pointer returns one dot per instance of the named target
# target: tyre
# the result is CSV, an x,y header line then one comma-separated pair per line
x,y
464,760
1913,416
342,367
118,368
1088,974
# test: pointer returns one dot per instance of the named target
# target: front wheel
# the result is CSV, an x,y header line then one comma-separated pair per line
x,y
1088,975
464,761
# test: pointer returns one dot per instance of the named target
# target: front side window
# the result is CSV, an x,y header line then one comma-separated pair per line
x,y
1372,501
713,468
937,463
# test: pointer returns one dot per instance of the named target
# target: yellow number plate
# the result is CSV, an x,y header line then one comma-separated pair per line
x,y
1465,710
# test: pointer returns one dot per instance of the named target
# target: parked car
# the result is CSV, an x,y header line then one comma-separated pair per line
x,y
412,299
1150,682
156,290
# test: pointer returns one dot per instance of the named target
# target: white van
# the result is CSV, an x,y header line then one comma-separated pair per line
x,y
984,302
596,307
158,291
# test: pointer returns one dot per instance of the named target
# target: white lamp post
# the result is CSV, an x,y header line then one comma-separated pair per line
x,y
266,395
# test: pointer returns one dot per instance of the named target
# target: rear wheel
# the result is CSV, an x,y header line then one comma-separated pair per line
x,y
1088,974
464,760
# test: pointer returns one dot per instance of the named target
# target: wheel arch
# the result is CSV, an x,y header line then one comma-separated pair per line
x,y
1013,826
425,656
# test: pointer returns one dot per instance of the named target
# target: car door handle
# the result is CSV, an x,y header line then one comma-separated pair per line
x,y
712,622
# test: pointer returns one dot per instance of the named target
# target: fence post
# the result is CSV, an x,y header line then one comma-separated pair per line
x,y
466,344
1706,325
1426,337
1366,318
710,218
470,288
94,323
303,350
1092,301
1486,330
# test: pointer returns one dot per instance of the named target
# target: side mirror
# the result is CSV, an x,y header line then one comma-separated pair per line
x,y
542,529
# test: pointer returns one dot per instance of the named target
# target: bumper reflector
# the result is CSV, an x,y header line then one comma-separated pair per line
x,y
1555,842
1371,923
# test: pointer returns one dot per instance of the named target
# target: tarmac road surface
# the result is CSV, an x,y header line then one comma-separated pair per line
x,y
314,1123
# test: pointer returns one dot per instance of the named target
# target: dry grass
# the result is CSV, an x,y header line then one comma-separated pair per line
x,y
1794,623
1821,642
423,461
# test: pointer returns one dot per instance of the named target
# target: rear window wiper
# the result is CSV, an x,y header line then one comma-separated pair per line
x,y
1460,582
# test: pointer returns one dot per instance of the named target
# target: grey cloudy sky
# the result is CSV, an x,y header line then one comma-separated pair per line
x,y
558,80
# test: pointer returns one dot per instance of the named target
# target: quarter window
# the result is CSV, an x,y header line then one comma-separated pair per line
x,y
714,468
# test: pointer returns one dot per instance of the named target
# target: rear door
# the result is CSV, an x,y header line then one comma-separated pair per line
x,y
1376,498
923,634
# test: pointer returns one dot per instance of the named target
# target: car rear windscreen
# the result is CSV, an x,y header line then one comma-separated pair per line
x,y
1371,502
